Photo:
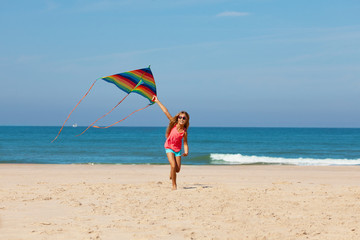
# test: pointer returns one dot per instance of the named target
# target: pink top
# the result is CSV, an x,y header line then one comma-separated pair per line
x,y
174,139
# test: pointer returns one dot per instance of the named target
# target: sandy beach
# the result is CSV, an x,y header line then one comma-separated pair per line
x,y
212,202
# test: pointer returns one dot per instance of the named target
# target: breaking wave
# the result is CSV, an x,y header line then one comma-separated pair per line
x,y
243,159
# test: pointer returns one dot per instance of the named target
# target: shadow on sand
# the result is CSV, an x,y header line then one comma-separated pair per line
x,y
197,185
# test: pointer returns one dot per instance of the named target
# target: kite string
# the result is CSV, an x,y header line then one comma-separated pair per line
x,y
73,110
113,107
125,117
103,115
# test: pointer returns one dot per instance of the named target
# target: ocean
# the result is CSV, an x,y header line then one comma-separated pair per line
x,y
208,146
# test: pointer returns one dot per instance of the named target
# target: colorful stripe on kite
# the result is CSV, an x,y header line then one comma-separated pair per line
x,y
140,81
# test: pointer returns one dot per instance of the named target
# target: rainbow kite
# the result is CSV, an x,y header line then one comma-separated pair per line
x,y
140,81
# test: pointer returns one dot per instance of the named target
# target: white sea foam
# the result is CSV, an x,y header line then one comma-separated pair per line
x,y
243,159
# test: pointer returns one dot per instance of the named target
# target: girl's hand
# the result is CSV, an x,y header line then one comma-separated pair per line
x,y
154,99
185,154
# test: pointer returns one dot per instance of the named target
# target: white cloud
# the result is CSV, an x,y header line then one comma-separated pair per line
x,y
51,5
102,5
28,58
233,14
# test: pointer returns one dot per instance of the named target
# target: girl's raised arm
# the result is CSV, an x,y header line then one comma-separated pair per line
x,y
163,108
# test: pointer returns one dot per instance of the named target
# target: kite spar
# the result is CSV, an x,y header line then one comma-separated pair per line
x,y
140,81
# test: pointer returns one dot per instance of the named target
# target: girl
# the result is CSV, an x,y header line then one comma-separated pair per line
x,y
175,132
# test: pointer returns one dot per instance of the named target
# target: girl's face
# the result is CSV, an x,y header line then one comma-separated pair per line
x,y
182,119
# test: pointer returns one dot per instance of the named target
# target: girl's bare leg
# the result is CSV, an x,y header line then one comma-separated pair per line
x,y
173,167
178,163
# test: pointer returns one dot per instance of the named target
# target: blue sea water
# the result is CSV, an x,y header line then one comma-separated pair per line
x,y
144,145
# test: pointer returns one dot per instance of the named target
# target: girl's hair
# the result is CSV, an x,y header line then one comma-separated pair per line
x,y
174,121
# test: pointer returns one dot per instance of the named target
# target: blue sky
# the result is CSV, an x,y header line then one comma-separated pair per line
x,y
260,63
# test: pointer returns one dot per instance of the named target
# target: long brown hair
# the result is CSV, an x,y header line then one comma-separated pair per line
x,y
174,121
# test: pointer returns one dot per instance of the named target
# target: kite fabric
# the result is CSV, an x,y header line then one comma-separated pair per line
x,y
140,81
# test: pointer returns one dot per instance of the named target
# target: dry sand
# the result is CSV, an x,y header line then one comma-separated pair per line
x,y
212,202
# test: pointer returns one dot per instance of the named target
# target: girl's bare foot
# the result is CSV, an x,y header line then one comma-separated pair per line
x,y
174,187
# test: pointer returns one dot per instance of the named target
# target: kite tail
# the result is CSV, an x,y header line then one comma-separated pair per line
x,y
124,118
73,110
103,116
